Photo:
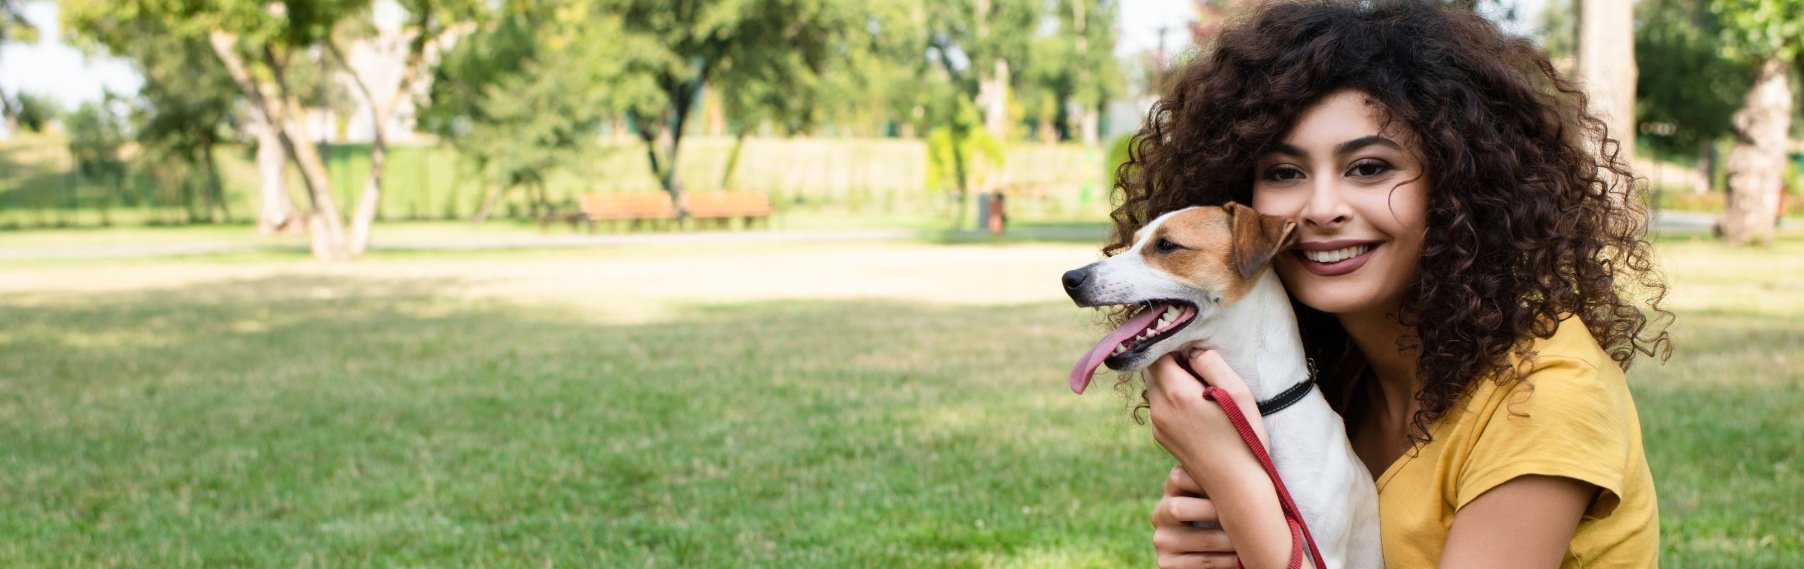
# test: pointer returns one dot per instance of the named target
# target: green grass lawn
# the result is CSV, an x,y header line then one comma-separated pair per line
x,y
702,405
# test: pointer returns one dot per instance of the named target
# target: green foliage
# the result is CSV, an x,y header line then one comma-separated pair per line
x,y
1683,78
767,55
1119,152
1559,29
524,95
1072,64
961,153
1754,30
188,102
36,111
13,25
96,133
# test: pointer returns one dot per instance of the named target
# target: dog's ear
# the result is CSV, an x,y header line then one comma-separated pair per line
x,y
1257,238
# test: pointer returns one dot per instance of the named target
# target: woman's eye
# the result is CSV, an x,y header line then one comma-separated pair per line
x,y
1368,168
1283,173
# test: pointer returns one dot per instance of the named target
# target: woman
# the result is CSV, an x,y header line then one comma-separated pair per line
x,y
1467,278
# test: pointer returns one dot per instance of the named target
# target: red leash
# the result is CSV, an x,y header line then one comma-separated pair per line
x,y
1299,531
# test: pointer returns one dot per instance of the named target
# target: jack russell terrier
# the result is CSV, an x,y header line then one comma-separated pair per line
x,y
1200,274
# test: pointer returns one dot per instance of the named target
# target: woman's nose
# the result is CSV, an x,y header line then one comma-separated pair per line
x,y
1326,206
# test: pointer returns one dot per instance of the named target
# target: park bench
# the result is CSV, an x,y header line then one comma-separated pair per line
x,y
635,207
724,207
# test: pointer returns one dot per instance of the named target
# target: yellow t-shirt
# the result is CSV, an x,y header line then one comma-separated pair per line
x,y
1571,417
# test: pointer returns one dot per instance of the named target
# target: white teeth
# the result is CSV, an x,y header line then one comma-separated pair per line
x,y
1336,255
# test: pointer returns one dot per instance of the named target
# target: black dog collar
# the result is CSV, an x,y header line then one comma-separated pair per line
x,y
1286,399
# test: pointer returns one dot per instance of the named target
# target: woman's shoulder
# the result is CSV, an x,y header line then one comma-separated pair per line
x,y
1571,344
1562,383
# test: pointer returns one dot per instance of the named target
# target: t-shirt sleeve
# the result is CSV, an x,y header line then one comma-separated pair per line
x,y
1559,421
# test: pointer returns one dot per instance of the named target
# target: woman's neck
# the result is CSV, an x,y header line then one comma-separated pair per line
x,y
1378,338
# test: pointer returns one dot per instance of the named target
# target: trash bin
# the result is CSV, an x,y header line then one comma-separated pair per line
x,y
997,216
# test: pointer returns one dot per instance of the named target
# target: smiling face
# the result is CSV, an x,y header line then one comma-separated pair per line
x,y
1359,195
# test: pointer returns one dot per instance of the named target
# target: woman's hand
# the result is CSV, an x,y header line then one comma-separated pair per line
x,y
1194,429
1216,460
1186,531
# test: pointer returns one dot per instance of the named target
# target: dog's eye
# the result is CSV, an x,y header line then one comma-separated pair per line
x,y
1164,245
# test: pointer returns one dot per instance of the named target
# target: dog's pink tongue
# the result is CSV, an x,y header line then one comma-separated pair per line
x,y
1086,366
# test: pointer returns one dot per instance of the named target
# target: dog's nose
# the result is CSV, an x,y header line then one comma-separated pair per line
x,y
1075,278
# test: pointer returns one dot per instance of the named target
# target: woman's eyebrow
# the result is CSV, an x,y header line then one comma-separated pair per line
x,y
1350,146
1343,149
1286,149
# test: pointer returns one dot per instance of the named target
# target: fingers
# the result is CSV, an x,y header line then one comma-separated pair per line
x,y
1167,380
1198,561
1180,511
1182,538
1215,370
1179,483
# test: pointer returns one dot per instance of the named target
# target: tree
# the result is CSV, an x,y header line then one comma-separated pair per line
x,y
959,151
1606,67
33,112
524,95
261,45
1769,35
186,107
1072,71
1684,80
14,28
978,43
673,49
429,25
96,133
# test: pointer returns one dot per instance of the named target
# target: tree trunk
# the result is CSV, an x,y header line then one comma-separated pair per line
x,y
726,176
1090,125
324,223
992,90
1706,169
1607,69
11,111
663,162
487,205
278,213
215,190
370,200
1757,163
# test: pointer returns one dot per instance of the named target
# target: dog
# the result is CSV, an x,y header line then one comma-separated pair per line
x,y
1202,277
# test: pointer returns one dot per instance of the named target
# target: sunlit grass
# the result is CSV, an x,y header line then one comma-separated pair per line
x,y
701,405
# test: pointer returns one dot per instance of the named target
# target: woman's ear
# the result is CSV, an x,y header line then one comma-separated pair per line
x,y
1257,237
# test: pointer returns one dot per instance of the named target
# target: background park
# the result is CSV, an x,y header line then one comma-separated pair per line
x,y
352,282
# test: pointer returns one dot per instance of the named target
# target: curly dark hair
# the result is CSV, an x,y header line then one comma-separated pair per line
x,y
1528,221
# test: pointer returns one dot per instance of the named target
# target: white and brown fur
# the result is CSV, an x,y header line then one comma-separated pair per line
x,y
1220,264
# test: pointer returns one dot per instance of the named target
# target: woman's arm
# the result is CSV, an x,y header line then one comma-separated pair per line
x,y
1198,434
1526,522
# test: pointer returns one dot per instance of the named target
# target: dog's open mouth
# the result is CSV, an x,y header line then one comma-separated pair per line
x,y
1156,321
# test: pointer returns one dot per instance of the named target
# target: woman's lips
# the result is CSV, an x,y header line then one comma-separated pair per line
x,y
1336,268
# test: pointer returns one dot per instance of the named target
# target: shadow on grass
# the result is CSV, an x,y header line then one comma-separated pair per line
x,y
360,422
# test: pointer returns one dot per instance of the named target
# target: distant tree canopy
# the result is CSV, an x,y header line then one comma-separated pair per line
x,y
1684,80
34,112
